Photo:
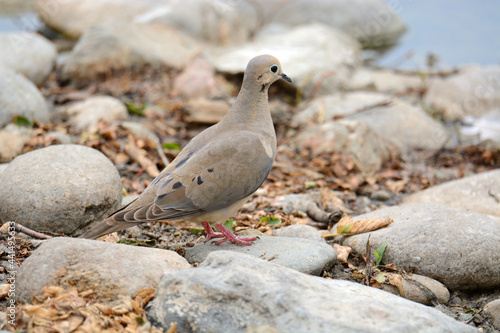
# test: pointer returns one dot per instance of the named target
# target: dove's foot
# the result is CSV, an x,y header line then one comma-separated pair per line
x,y
210,232
225,234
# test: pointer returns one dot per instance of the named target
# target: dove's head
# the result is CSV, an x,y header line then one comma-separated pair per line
x,y
264,70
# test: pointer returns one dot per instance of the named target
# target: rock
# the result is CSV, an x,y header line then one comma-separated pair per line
x,y
383,81
479,193
415,287
227,22
456,247
12,140
380,195
306,52
59,189
470,93
327,108
484,131
234,292
222,22
304,255
299,231
73,17
20,97
85,114
119,46
408,128
3,166
356,139
28,54
373,22
492,312
206,111
198,80
108,269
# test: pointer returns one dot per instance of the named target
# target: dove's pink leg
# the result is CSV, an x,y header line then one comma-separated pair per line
x,y
210,232
229,236
225,234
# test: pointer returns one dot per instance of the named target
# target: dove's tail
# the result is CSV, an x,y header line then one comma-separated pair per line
x,y
106,227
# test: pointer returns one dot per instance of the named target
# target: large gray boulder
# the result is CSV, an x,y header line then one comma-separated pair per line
x,y
457,247
235,292
59,189
108,269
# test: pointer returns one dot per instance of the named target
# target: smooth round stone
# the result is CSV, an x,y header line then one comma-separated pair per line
x,y
59,189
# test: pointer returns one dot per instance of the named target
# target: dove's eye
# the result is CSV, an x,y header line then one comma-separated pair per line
x,y
274,68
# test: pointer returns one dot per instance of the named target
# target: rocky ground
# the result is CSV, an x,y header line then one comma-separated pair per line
x,y
93,111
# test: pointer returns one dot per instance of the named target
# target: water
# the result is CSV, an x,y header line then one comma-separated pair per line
x,y
458,32
18,15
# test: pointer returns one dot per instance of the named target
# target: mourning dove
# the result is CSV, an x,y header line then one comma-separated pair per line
x,y
218,170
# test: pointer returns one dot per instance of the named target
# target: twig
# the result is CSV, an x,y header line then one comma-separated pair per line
x,y
369,266
29,232
138,155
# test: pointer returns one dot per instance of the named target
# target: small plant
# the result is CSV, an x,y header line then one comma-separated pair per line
x,y
230,224
380,253
270,220
171,145
22,121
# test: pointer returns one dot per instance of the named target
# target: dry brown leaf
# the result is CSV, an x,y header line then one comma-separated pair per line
x,y
144,295
173,328
392,279
348,226
329,199
69,324
110,238
342,252
4,290
396,186
43,313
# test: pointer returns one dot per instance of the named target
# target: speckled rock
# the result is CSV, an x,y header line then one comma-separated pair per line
x,y
108,269
234,292
59,189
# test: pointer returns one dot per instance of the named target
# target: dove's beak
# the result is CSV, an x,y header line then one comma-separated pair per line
x,y
284,77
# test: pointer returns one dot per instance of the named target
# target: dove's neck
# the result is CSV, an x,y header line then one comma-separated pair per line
x,y
251,106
